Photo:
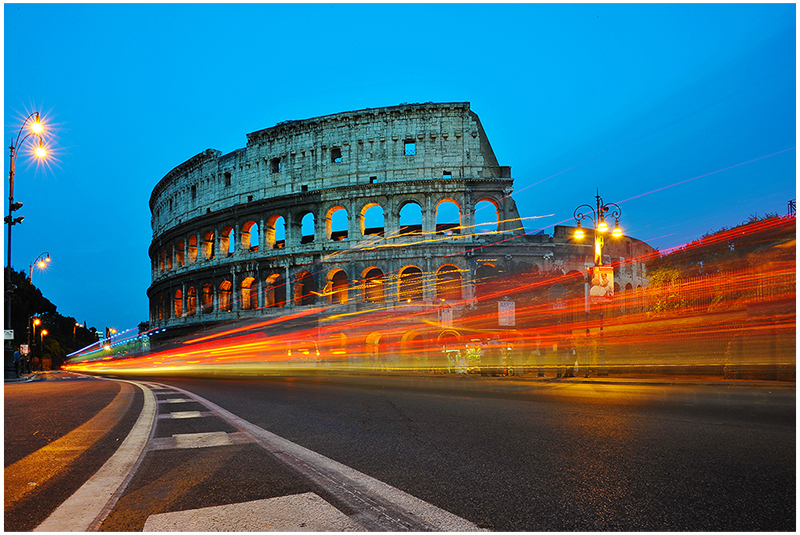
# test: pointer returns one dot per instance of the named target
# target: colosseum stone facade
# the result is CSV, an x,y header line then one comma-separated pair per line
x,y
347,211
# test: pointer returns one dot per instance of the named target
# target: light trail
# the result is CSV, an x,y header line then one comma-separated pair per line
x,y
737,320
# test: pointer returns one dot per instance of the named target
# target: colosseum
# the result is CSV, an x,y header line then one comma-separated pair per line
x,y
357,212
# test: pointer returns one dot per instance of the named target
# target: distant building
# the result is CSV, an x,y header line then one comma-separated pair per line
x,y
229,239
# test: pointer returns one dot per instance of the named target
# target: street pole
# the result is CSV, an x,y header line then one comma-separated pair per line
x,y
597,216
36,131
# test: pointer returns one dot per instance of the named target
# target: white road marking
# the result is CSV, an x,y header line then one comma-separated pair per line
x,y
175,400
379,505
185,414
299,512
98,495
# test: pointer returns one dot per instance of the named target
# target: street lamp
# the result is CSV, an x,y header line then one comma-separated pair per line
x,y
44,333
603,291
41,262
36,129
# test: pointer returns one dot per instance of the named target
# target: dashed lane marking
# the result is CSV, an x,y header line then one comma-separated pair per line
x,y
184,414
175,400
377,505
299,512
199,440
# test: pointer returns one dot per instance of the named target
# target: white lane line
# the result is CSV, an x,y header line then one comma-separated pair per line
x,y
381,506
299,512
174,400
94,500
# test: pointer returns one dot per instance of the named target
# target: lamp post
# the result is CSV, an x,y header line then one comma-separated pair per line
x,y
601,293
41,262
36,131
44,332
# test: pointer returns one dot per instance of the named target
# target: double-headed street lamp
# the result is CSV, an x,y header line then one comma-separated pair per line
x,y
36,131
602,278
41,262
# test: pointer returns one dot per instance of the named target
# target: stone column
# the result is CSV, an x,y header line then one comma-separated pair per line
x,y
428,216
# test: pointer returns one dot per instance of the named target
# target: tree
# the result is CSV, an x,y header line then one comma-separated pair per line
x,y
27,301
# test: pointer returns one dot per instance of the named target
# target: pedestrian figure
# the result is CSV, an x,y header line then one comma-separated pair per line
x,y
16,363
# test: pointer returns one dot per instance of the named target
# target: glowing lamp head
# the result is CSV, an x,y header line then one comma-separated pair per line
x,y
617,232
37,321
602,226
36,126
579,235
44,332
41,264
40,151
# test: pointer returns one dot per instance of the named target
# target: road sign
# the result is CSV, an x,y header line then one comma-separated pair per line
x,y
506,313
8,334
23,349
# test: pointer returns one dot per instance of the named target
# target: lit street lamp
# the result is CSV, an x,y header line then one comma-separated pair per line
x,y
41,262
601,289
44,333
36,129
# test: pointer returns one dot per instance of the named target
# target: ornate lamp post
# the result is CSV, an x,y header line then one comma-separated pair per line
x,y
36,129
41,262
602,292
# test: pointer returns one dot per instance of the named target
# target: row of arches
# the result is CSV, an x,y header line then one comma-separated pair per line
x,y
273,232
409,284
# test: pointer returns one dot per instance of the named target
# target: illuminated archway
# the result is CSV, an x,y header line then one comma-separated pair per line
x,y
410,285
373,286
448,283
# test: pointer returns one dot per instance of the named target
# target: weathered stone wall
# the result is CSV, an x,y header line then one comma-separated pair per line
x,y
354,161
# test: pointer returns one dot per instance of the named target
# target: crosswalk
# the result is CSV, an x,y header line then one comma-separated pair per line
x,y
206,469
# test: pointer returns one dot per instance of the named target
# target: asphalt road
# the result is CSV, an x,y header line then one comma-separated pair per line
x,y
504,454
539,456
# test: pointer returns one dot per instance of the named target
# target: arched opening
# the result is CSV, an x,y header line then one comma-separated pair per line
x,y
227,241
180,258
169,258
304,289
178,304
208,245
336,224
410,218
412,351
374,286
373,221
162,261
486,217
249,295
192,249
207,299
225,291
191,301
250,237
275,233
374,352
275,294
339,286
410,284
448,283
307,228
448,217
161,307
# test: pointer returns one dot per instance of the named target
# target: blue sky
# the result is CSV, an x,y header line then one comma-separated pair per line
x,y
682,113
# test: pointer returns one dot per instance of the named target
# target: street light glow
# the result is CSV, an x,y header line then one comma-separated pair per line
x,y
37,127
40,151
